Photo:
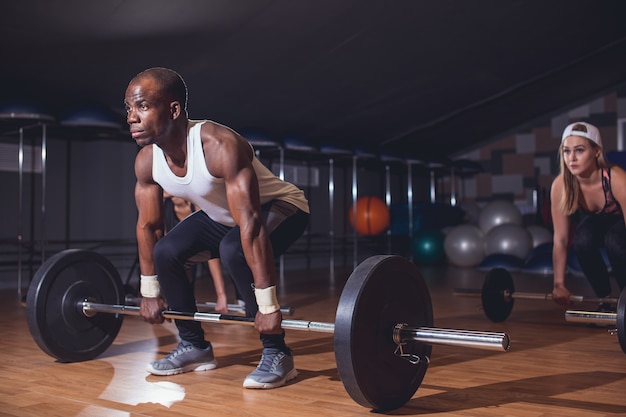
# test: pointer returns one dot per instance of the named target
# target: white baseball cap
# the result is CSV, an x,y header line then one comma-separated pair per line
x,y
592,133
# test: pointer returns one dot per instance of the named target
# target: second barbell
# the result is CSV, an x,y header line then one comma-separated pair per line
x,y
498,295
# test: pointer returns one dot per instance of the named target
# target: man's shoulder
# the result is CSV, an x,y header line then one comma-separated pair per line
x,y
193,124
209,126
144,152
143,164
219,134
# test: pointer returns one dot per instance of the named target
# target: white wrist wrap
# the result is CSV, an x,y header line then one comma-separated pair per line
x,y
266,299
149,286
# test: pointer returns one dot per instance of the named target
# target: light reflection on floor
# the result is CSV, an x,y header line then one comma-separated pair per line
x,y
132,388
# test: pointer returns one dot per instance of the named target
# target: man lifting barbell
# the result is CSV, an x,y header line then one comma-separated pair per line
x,y
383,329
246,213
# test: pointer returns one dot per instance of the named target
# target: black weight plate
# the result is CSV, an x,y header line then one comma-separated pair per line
x,y
381,292
620,320
496,305
56,322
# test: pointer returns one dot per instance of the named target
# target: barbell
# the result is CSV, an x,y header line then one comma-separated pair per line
x,y
383,332
498,295
617,319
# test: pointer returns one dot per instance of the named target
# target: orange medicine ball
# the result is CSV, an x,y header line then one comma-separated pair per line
x,y
372,216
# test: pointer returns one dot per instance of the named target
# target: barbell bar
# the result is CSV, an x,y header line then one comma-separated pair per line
x,y
288,311
520,295
618,319
90,309
383,329
402,334
590,317
498,295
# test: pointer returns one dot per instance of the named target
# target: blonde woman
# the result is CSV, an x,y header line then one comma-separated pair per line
x,y
594,189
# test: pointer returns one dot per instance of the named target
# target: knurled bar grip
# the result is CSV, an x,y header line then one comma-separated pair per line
x,y
592,317
209,304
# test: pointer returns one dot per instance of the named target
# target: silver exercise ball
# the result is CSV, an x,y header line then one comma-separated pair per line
x,y
464,245
539,234
509,239
498,212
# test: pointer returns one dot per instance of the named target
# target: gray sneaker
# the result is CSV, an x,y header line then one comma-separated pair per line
x,y
184,358
274,370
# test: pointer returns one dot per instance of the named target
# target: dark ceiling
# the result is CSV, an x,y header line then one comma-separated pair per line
x,y
433,77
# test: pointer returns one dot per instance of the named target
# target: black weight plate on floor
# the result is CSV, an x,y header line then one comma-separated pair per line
x,y
381,292
496,306
620,320
56,322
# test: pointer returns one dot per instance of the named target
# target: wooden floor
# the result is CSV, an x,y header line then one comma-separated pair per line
x,y
553,368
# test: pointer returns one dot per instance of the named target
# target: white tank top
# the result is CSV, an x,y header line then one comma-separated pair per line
x,y
208,192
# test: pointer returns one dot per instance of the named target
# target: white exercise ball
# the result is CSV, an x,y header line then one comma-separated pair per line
x,y
464,245
498,212
508,239
539,234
